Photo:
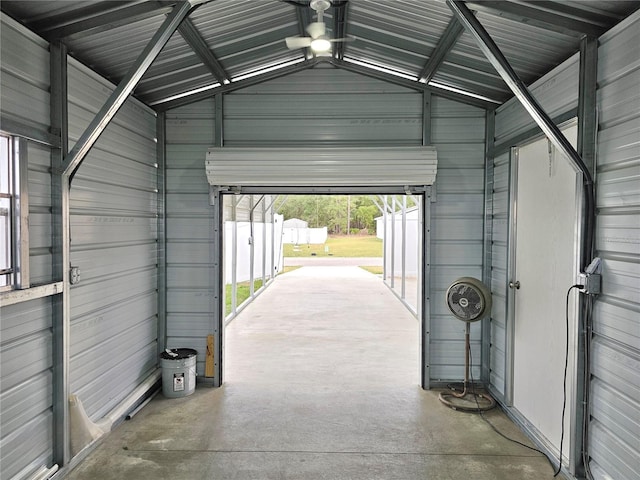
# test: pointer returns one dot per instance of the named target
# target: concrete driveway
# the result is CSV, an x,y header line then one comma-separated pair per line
x,y
333,261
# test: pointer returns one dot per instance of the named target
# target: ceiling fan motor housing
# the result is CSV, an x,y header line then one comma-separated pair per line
x,y
469,299
320,4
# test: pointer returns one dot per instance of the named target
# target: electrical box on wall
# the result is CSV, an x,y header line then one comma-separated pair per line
x,y
591,279
74,275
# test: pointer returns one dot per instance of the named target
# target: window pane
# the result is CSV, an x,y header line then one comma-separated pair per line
x,y
5,171
5,233
5,212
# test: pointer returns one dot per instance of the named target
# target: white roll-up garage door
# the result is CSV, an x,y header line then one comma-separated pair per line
x,y
333,166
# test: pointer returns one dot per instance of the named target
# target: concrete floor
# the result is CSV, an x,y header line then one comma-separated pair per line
x,y
321,383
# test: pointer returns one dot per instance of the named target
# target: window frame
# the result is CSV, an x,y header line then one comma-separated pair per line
x,y
17,276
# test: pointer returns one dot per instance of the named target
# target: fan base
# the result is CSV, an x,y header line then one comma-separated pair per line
x,y
468,402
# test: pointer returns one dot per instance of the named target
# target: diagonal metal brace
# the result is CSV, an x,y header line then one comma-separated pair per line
x,y
86,141
550,129
517,86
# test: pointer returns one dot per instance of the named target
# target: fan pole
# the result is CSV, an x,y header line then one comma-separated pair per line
x,y
476,402
467,347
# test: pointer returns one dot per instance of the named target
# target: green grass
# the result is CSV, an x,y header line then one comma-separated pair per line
x,y
339,246
242,293
242,290
372,269
290,268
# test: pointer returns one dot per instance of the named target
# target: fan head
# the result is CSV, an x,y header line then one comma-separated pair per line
x,y
469,299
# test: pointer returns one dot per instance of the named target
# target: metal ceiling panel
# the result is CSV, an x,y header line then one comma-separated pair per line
x,y
246,37
112,52
398,35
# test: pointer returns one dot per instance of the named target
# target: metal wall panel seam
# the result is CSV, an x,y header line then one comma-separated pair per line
x,y
426,283
488,237
217,315
162,230
426,118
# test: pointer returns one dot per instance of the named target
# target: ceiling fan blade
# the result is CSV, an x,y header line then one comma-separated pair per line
x,y
316,29
345,39
293,43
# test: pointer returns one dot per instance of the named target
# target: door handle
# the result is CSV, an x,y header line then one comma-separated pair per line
x,y
515,285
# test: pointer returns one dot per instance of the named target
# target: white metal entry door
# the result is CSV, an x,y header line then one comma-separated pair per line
x,y
545,267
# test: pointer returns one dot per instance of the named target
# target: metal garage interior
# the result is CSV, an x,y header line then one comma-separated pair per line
x,y
108,110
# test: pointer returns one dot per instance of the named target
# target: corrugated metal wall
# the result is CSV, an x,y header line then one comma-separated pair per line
x,y
26,432
499,281
614,430
323,107
457,218
557,92
327,107
190,132
113,242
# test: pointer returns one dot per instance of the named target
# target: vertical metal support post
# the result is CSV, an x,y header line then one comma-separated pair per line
x,y
419,201
403,289
393,241
385,219
20,149
60,238
216,257
264,241
587,148
274,267
161,243
490,122
218,135
234,255
217,284
252,247
511,273
425,299
587,102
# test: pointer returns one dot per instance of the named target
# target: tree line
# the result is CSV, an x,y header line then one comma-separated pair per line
x,y
341,214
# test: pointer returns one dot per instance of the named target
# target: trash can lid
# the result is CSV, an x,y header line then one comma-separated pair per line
x,y
178,353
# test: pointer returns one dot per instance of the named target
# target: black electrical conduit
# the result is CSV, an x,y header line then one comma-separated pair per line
x,y
588,217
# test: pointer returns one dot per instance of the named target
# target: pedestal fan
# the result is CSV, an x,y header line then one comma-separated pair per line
x,y
469,300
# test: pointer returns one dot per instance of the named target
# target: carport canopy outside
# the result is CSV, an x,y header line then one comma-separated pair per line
x,y
322,167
